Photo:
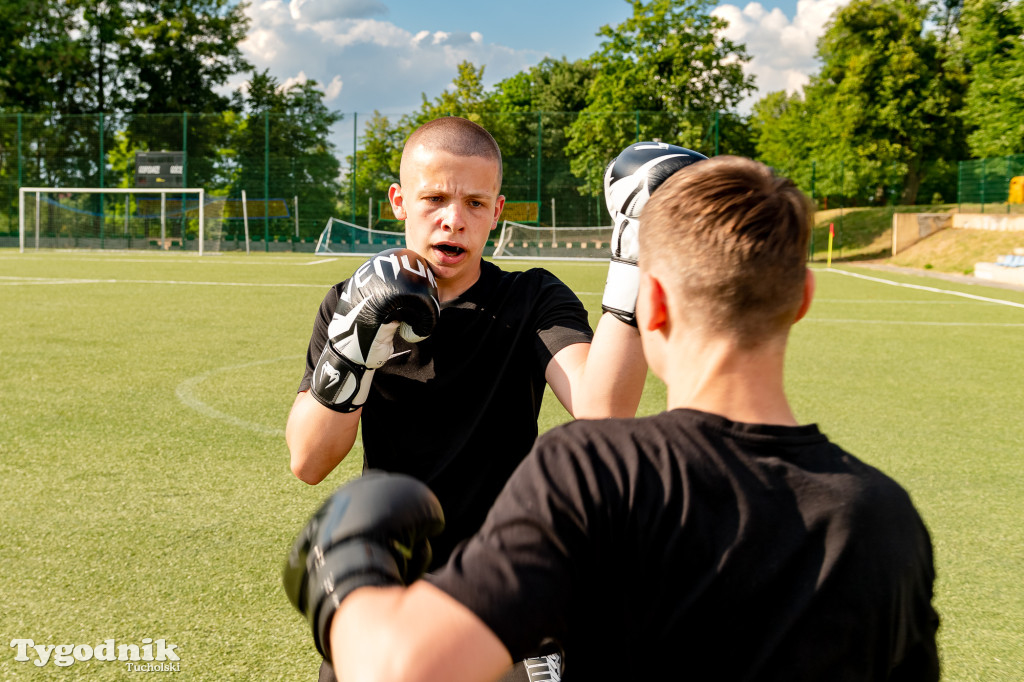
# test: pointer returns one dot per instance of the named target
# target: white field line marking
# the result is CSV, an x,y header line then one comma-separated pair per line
x,y
225,259
874,301
922,288
16,281
186,392
925,324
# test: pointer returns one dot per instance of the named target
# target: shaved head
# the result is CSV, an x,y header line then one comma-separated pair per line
x,y
456,136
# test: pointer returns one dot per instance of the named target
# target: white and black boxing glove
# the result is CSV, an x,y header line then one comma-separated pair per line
x,y
629,181
393,292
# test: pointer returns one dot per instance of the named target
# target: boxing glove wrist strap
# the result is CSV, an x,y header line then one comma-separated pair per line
x,y
356,563
339,383
621,290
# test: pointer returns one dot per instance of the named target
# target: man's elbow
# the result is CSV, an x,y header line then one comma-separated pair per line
x,y
306,473
304,465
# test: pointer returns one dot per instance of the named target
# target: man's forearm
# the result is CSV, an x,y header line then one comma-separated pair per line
x,y
411,634
318,438
604,378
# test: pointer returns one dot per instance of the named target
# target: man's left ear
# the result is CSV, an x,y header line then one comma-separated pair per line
x,y
805,305
499,206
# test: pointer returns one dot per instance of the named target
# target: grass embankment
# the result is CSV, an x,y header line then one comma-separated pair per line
x,y
866,234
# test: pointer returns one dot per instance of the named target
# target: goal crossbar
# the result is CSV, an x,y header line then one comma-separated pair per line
x,y
38,191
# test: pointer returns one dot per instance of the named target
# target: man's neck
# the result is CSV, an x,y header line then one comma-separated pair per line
x,y
738,384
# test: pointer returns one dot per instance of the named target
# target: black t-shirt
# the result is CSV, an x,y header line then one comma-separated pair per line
x,y
717,550
459,410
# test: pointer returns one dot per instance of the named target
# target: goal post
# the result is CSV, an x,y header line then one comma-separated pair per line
x,y
41,196
344,238
517,240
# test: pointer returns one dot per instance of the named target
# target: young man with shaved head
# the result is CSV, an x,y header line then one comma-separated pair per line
x,y
718,540
454,404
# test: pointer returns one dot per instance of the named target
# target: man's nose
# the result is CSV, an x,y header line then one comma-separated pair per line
x,y
452,218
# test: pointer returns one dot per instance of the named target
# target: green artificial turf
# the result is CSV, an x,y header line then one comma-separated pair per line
x,y
144,482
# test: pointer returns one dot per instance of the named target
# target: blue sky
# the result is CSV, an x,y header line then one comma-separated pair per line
x,y
382,54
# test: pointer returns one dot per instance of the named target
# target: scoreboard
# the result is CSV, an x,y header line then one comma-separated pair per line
x,y
160,170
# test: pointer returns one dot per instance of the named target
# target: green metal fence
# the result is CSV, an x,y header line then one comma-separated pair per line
x,y
278,161
263,155
983,185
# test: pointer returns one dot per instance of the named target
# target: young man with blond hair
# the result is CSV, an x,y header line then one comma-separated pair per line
x,y
720,539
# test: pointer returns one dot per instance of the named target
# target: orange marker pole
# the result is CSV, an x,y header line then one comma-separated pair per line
x,y
831,235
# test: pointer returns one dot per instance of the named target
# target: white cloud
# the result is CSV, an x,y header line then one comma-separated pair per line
x,y
782,50
383,66
333,89
296,80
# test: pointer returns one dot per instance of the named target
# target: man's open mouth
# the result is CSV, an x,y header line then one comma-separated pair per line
x,y
450,249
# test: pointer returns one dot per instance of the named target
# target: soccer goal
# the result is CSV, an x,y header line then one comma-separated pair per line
x,y
111,217
342,237
561,243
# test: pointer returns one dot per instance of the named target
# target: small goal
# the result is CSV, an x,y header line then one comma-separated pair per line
x,y
558,243
111,217
341,237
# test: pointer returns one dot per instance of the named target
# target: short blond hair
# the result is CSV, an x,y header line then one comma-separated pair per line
x,y
730,237
457,136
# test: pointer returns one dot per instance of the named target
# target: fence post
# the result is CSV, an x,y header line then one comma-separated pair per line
x,y
355,163
959,186
814,203
716,132
636,116
983,185
184,178
266,180
103,203
540,151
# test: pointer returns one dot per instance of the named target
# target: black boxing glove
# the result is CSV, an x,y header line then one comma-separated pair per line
x,y
393,292
373,531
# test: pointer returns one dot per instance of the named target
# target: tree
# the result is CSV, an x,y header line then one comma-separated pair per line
x,y
888,96
540,104
668,59
283,148
378,158
785,136
878,121
991,33
110,56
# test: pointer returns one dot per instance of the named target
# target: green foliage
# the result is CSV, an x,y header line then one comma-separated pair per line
x,y
667,58
80,56
289,128
991,32
883,106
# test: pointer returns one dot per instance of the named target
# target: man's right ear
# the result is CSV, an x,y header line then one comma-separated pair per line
x,y
805,305
397,201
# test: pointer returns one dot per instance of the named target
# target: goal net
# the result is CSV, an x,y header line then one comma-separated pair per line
x,y
570,243
342,237
113,218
